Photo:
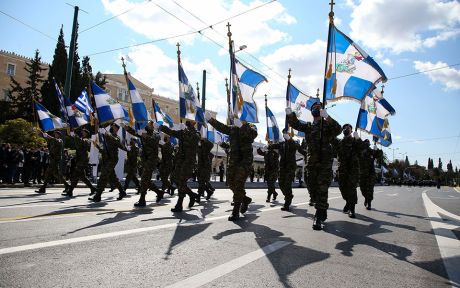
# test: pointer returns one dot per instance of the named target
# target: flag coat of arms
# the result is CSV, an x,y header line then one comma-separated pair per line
x,y
48,121
352,73
108,109
300,104
75,117
245,82
189,105
373,113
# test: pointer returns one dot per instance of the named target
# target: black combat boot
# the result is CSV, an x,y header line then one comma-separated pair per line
x,y
68,192
141,202
274,195
346,208
42,190
96,197
245,204
352,214
287,203
93,191
209,194
235,212
200,191
269,196
365,202
194,197
160,194
121,194
178,207
318,219
369,207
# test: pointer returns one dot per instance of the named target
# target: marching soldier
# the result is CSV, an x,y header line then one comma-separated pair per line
x,y
166,165
110,149
82,147
319,160
367,177
204,167
150,143
55,147
288,165
241,136
185,162
271,163
348,150
131,165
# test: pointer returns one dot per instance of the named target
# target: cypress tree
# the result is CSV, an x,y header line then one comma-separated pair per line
x,y
440,164
57,70
22,97
77,84
99,79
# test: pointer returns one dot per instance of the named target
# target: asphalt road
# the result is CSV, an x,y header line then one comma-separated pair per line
x,y
409,239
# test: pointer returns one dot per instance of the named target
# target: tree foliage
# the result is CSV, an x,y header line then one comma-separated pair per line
x,y
21,132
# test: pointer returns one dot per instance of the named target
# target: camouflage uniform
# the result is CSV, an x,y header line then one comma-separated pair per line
x,y
288,166
109,151
166,166
204,167
240,161
347,150
149,160
185,162
55,147
82,147
272,165
367,175
319,162
131,166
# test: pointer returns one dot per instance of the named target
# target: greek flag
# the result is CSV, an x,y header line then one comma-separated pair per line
x,y
189,104
108,109
139,110
273,132
213,135
83,104
351,73
48,121
161,117
385,139
373,114
244,85
300,104
76,117
62,108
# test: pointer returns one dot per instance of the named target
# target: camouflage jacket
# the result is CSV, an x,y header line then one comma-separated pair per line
x,y
348,150
204,153
271,160
167,155
367,157
131,159
288,150
55,147
188,143
82,147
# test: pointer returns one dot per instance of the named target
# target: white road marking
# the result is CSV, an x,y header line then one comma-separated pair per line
x,y
210,275
448,243
393,195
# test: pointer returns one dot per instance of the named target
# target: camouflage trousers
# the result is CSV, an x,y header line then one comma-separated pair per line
x,y
366,184
146,177
165,172
79,173
271,180
236,178
131,175
183,172
347,186
319,177
54,171
287,175
108,176
204,175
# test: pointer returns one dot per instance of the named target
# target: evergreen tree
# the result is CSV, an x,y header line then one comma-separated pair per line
x,y
406,162
440,164
430,164
57,70
22,97
99,79
77,84
416,163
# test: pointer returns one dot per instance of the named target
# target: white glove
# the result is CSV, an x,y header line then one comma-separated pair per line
x,y
323,113
286,136
156,125
207,116
72,133
355,135
375,146
288,110
181,126
237,122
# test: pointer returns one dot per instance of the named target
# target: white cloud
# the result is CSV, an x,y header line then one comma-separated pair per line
x,y
388,62
448,77
404,25
148,19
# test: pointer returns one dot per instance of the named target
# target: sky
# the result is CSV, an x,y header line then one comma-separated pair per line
x,y
403,37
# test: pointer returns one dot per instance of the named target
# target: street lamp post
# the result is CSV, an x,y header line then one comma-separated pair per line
x,y
393,152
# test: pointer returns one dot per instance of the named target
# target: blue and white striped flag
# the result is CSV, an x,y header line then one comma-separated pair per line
x,y
84,105
300,104
76,117
373,114
189,104
244,85
163,118
273,132
62,108
385,139
108,109
139,110
212,134
48,121
351,73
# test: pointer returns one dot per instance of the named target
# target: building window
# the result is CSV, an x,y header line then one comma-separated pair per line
x,y
167,109
10,69
122,95
5,95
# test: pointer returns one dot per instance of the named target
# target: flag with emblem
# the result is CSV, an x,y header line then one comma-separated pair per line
x,y
300,104
76,117
48,121
273,131
190,107
108,109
